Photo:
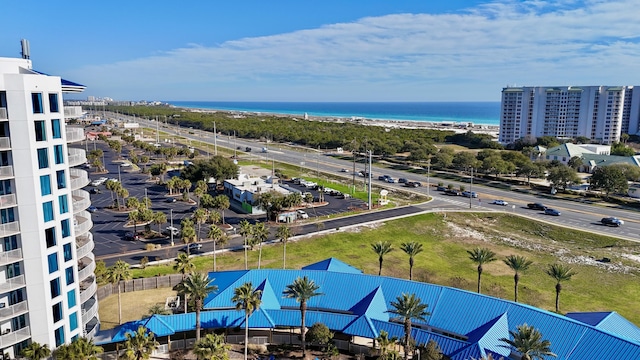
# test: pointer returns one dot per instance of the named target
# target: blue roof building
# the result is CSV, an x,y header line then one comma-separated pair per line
x,y
463,323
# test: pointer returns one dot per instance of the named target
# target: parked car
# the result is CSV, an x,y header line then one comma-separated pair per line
x,y
453,192
414,184
130,235
612,221
500,202
95,191
550,211
171,230
96,183
170,200
441,188
536,206
92,209
302,214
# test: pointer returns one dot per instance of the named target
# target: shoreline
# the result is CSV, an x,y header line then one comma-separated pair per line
x,y
455,126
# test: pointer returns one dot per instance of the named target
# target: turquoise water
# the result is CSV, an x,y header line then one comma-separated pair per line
x,y
481,113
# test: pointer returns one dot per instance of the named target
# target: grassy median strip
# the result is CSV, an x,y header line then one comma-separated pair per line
x,y
599,285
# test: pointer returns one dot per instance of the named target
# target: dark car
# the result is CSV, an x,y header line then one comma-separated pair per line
x,y
170,200
612,221
452,192
92,209
403,181
247,149
130,235
550,211
536,206
95,191
441,188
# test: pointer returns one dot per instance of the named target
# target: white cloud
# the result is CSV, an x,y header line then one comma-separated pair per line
x,y
413,57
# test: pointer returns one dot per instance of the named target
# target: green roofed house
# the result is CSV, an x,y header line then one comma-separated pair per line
x,y
592,156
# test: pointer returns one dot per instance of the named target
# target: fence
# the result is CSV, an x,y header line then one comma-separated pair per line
x,y
139,284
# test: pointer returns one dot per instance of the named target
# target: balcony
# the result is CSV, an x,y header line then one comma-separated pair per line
x,y
5,143
15,337
79,179
80,200
9,312
82,222
14,283
91,328
9,257
9,229
86,265
7,201
6,172
87,289
77,157
89,310
84,245
3,114
74,134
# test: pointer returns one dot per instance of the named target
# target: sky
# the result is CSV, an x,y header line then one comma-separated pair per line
x,y
329,50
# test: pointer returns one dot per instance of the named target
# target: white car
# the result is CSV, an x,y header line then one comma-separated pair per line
x,y
302,214
172,230
500,202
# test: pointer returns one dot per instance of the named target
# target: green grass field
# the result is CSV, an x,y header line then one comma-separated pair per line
x,y
444,260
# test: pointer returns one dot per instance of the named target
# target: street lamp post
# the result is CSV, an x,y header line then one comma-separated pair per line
x,y
470,187
171,230
119,176
428,177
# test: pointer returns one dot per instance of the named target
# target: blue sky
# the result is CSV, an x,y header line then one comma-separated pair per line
x,y
330,50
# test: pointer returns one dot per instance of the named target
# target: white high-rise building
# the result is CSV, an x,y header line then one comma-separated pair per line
x,y
600,113
47,285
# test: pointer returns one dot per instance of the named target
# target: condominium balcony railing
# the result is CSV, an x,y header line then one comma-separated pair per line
x,y
7,201
88,288
75,134
5,143
79,178
81,200
6,172
10,338
14,310
9,257
3,113
83,223
89,310
86,266
91,328
77,157
84,245
13,283
9,229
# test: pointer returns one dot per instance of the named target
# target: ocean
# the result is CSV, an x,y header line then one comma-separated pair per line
x,y
478,113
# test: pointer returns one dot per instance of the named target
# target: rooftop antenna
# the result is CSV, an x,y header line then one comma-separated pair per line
x,y
26,53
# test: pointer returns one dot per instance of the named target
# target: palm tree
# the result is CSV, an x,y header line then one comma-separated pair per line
x,y
115,275
518,264
381,248
221,202
140,345
35,351
528,342
245,231
409,307
412,249
83,349
284,233
201,189
385,342
197,287
559,273
211,347
217,235
184,265
200,216
481,256
248,299
159,218
158,309
187,232
302,289
260,233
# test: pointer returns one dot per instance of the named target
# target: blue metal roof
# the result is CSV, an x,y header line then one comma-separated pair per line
x,y
332,264
463,323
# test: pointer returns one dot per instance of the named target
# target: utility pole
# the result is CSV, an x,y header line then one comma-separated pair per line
x,y
470,186
157,131
428,176
171,230
369,177
215,139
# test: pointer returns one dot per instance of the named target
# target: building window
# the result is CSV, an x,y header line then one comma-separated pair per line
x,y
61,179
63,203
54,285
53,103
41,132
71,298
73,321
7,216
66,228
53,262
58,152
50,236
68,255
36,99
55,129
43,158
69,274
59,335
45,185
47,210
57,312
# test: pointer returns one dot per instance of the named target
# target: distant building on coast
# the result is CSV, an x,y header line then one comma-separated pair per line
x,y
600,113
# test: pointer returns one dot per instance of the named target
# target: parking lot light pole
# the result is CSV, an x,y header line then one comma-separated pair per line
x,y
171,230
119,177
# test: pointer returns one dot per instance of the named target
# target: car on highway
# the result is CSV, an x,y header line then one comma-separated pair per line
x,y
192,247
130,235
500,202
612,221
536,206
344,170
302,214
247,149
391,180
469,194
550,211
452,192
403,181
413,184
441,188
383,177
